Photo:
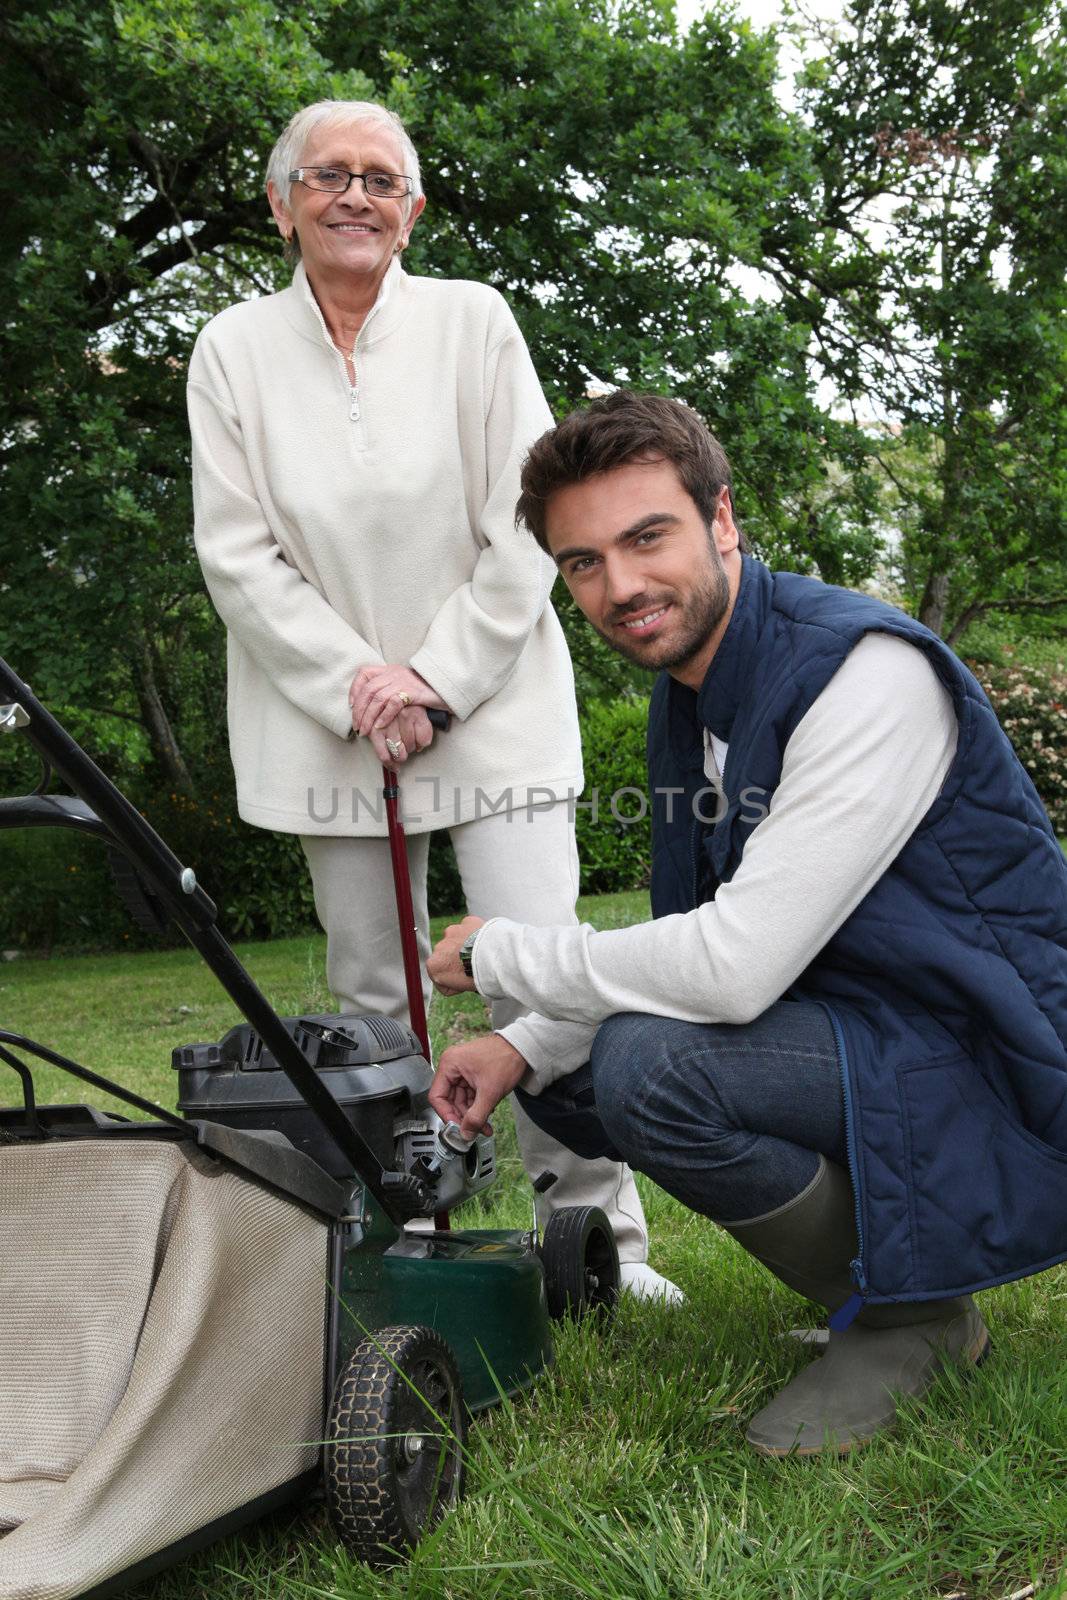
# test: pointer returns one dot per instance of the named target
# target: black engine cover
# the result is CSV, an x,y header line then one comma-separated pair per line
x,y
373,1067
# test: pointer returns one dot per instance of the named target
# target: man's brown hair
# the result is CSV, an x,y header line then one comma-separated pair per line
x,y
609,432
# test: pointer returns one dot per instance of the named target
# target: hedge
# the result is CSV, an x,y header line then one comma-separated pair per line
x,y
56,889
611,819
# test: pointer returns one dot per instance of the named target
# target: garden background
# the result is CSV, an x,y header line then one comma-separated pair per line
x,y
842,240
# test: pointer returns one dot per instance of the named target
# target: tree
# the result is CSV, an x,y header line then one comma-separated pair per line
x,y
940,132
608,177
131,182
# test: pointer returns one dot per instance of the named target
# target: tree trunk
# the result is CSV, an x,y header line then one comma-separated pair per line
x,y
165,746
934,603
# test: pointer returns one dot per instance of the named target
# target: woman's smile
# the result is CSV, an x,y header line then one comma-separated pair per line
x,y
351,232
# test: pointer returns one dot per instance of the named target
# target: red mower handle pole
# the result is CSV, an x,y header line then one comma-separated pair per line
x,y
405,910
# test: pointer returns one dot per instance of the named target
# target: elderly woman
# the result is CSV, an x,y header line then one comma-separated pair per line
x,y
356,448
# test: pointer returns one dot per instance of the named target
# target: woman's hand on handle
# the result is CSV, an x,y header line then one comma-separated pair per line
x,y
402,738
379,694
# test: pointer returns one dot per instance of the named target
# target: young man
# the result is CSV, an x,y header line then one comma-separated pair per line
x,y
844,1035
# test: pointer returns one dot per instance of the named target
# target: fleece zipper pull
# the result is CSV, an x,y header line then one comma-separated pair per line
x,y
353,387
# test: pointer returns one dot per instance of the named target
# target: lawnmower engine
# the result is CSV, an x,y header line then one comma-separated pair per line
x,y
375,1070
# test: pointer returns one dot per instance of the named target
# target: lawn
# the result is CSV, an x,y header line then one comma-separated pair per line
x,y
625,1475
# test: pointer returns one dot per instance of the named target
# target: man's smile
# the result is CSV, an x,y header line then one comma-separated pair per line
x,y
645,621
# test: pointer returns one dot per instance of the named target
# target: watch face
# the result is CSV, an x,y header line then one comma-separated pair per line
x,y
466,953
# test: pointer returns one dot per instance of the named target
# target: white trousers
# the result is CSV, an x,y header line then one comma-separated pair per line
x,y
523,865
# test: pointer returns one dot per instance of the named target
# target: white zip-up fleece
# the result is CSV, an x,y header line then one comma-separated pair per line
x,y
339,528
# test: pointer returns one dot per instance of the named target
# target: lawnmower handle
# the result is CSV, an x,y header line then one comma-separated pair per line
x,y
101,809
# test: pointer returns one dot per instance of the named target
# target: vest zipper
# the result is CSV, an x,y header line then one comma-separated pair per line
x,y
845,1314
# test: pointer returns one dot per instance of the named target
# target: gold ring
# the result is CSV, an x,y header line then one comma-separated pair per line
x,y
404,698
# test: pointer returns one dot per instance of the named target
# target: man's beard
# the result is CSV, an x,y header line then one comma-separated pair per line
x,y
696,618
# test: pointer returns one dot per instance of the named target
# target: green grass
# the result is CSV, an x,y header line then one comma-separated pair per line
x,y
624,1475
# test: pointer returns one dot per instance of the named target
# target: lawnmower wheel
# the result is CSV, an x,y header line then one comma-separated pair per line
x,y
581,1263
395,1440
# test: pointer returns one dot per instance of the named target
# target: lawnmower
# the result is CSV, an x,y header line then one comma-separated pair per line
x,y
208,1313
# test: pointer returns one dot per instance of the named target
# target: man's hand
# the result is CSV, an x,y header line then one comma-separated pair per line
x,y
444,966
378,695
473,1078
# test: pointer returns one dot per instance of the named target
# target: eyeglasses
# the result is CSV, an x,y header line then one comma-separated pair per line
x,y
335,180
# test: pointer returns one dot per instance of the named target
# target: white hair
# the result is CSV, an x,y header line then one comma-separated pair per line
x,y
287,152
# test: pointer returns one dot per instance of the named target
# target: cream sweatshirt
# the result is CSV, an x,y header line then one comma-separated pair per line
x,y
339,528
859,773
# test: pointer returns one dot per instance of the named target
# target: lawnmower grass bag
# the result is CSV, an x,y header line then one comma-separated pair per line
x,y
161,1354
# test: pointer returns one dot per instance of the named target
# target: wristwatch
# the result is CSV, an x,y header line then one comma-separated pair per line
x,y
466,953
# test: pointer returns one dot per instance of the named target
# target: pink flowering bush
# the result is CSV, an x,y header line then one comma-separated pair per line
x,y
1031,703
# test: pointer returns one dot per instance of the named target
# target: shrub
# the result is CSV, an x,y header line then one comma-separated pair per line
x,y
614,840
444,891
1031,703
57,888
259,880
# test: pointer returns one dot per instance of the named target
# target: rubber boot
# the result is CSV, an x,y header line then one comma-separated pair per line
x,y
809,1242
850,1393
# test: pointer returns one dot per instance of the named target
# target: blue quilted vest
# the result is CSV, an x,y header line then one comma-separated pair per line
x,y
946,987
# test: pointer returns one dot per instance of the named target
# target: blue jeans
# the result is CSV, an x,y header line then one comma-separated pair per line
x,y
729,1118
